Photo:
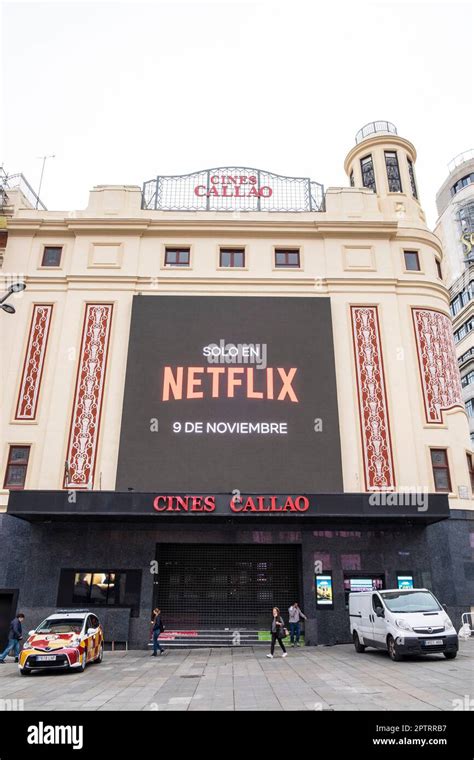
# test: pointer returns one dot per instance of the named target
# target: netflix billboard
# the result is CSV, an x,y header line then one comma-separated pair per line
x,y
230,394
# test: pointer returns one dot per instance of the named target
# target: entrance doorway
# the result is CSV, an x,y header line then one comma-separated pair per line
x,y
8,602
225,586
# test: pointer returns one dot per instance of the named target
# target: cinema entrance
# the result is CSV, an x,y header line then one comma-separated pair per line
x,y
218,587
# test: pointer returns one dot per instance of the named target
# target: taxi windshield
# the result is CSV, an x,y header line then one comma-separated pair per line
x,y
61,625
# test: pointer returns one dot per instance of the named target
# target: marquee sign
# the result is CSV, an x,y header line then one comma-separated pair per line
x,y
232,188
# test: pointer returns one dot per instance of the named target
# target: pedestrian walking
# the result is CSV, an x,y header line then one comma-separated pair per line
x,y
15,635
295,615
157,629
278,632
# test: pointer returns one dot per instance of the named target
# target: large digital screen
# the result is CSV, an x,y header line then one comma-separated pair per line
x,y
227,394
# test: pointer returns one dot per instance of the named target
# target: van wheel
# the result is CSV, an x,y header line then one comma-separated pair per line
x,y
450,655
358,646
392,651
25,672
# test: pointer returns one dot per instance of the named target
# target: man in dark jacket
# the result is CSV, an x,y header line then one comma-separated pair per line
x,y
158,628
15,635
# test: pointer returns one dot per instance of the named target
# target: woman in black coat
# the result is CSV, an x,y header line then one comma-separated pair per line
x,y
277,631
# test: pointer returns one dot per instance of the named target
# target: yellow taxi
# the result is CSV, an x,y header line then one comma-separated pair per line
x,y
65,640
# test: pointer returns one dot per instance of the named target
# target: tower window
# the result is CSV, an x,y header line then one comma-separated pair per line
x,y
51,256
411,172
439,462
368,174
412,261
393,172
17,465
438,268
351,178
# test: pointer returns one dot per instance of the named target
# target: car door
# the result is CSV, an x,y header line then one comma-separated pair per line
x,y
90,638
379,623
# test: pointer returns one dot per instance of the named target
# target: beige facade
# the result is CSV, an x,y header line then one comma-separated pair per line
x,y
353,252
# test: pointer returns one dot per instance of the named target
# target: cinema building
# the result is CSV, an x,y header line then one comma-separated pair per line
x,y
229,390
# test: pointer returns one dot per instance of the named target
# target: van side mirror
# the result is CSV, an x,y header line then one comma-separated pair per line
x,y
379,612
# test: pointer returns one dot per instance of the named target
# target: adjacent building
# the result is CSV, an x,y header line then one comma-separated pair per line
x,y
227,390
455,227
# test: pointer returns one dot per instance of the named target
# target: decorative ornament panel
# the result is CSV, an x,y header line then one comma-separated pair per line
x,y
85,423
27,404
439,372
373,408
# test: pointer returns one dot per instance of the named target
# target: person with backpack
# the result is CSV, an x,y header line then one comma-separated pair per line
x,y
157,629
278,632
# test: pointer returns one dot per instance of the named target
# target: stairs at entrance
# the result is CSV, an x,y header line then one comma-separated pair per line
x,y
194,639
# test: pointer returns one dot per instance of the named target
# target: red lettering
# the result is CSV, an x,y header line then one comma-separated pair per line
x,y
197,190
302,503
209,504
156,502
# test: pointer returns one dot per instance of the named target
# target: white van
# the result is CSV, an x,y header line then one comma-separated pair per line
x,y
402,621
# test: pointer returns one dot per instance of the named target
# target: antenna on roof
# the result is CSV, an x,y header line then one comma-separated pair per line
x,y
45,158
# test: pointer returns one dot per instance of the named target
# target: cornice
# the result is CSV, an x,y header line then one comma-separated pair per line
x,y
201,226
152,285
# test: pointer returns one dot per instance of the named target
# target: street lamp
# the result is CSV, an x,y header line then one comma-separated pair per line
x,y
17,287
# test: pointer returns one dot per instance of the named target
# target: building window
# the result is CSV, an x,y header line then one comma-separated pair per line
x,y
470,407
100,588
17,465
51,256
411,173
463,182
439,461
468,379
232,257
470,467
412,261
393,172
368,174
438,268
177,257
463,330
466,217
287,258
351,178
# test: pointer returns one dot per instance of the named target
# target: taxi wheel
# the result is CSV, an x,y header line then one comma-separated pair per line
x,y
100,656
25,672
83,662
450,655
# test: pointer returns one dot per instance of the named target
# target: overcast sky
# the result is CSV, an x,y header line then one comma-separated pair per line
x,y
120,91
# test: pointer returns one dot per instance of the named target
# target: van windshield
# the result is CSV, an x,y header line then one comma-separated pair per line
x,y
410,601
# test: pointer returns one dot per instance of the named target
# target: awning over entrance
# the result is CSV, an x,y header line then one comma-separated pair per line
x,y
415,506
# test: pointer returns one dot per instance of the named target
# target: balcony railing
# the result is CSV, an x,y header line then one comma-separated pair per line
x,y
374,127
461,158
